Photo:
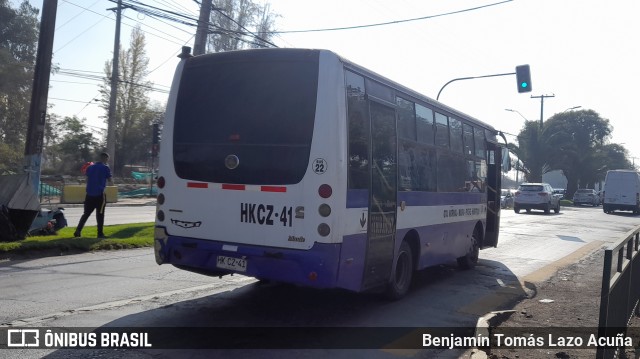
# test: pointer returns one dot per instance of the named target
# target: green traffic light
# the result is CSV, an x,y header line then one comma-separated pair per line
x,y
524,85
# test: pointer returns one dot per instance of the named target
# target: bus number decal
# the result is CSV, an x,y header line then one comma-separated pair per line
x,y
319,166
264,214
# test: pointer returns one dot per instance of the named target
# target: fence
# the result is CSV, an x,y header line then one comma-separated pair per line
x,y
49,191
620,290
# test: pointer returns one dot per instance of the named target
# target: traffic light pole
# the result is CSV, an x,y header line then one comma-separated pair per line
x,y
470,78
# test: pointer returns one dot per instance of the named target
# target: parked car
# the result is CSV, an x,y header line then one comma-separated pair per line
x,y
559,192
586,196
536,196
506,198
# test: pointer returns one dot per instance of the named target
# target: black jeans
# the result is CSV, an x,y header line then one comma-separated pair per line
x,y
91,203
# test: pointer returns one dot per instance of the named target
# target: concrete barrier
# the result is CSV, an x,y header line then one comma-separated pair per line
x,y
76,194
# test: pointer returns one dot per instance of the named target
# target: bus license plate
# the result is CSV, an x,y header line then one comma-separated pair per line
x,y
236,264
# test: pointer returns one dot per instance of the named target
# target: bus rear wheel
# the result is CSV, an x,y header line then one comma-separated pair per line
x,y
469,260
401,277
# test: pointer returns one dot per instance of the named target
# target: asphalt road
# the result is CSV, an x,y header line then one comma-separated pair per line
x,y
127,289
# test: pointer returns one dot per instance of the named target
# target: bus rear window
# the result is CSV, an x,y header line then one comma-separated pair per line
x,y
252,105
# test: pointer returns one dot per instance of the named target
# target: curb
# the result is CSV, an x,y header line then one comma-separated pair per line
x,y
483,328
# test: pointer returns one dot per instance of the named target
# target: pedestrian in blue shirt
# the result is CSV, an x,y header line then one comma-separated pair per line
x,y
98,174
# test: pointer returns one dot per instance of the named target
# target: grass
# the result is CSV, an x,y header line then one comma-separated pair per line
x,y
121,236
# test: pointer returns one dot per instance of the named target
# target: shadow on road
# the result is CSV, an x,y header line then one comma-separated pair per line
x,y
319,322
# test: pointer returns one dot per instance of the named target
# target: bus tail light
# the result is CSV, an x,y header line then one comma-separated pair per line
x,y
160,215
161,182
160,198
325,191
324,229
313,276
324,210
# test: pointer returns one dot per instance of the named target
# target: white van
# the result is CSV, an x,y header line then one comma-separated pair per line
x,y
621,191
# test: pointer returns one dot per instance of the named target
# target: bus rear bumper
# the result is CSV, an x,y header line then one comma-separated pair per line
x,y
316,267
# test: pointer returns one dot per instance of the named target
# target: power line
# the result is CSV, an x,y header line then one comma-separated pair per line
x,y
80,33
189,20
171,57
391,22
124,23
89,75
67,100
160,31
76,15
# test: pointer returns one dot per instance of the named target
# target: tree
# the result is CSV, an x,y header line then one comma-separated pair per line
x,y
77,146
134,114
578,138
574,142
18,46
532,151
240,24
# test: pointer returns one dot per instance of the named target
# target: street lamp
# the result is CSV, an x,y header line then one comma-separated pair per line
x,y
571,108
516,111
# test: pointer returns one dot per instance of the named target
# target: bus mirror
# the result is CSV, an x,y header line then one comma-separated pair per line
x,y
506,160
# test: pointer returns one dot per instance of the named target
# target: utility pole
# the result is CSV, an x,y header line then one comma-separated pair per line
x,y
111,121
200,43
39,94
542,97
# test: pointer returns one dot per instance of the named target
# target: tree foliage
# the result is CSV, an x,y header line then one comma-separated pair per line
x,y
18,46
575,142
74,145
240,24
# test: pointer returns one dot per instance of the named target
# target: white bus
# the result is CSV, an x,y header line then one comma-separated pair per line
x,y
298,166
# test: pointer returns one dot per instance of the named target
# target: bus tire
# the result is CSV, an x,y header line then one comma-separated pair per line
x,y
401,278
469,260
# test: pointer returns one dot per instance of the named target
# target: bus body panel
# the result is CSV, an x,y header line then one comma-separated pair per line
x,y
265,215
315,267
272,230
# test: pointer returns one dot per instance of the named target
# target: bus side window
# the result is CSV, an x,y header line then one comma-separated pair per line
x,y
417,167
406,119
451,172
479,143
455,126
358,127
424,124
442,130
467,135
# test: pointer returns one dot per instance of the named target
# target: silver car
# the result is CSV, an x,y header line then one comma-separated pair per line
x,y
586,196
536,196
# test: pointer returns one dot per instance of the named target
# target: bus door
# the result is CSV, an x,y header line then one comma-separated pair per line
x,y
494,184
382,199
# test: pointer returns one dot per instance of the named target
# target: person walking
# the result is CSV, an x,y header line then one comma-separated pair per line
x,y
98,174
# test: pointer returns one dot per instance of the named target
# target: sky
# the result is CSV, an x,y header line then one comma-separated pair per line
x,y
582,52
